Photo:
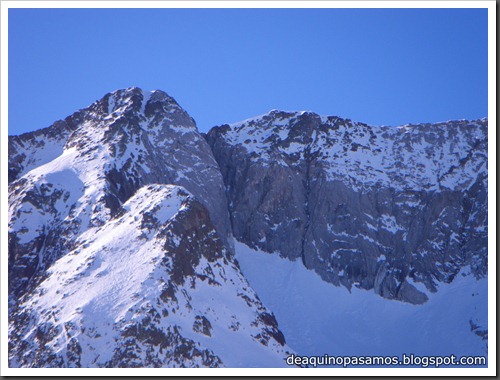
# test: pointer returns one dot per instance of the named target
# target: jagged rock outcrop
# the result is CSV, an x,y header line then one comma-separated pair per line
x,y
375,207
120,246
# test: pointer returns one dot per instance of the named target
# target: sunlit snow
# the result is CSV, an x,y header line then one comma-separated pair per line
x,y
318,318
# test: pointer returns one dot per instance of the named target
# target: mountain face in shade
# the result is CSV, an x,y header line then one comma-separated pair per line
x,y
120,246
378,208
123,220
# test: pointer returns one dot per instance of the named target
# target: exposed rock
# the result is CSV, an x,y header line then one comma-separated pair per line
x,y
375,207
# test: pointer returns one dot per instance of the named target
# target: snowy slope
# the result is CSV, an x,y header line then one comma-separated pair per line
x,y
32,149
120,288
319,318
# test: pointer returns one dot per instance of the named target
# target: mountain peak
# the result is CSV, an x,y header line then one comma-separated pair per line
x,y
138,101
128,138
120,228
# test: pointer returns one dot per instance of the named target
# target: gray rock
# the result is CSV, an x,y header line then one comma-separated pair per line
x,y
373,207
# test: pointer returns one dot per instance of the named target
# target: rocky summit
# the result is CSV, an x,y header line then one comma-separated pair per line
x,y
120,246
124,218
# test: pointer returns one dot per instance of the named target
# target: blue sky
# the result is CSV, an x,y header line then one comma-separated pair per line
x,y
379,66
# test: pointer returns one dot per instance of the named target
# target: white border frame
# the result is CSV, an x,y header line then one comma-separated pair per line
x,y
5,5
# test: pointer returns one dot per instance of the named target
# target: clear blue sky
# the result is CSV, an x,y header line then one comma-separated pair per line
x,y
378,66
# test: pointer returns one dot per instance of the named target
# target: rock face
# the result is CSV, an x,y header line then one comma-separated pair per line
x,y
120,246
375,207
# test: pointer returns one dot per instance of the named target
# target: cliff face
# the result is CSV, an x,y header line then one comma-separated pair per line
x,y
374,207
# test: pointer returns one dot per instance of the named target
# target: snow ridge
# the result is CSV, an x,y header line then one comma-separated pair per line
x,y
424,156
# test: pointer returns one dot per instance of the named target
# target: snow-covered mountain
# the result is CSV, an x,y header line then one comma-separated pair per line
x,y
122,220
120,248
378,208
